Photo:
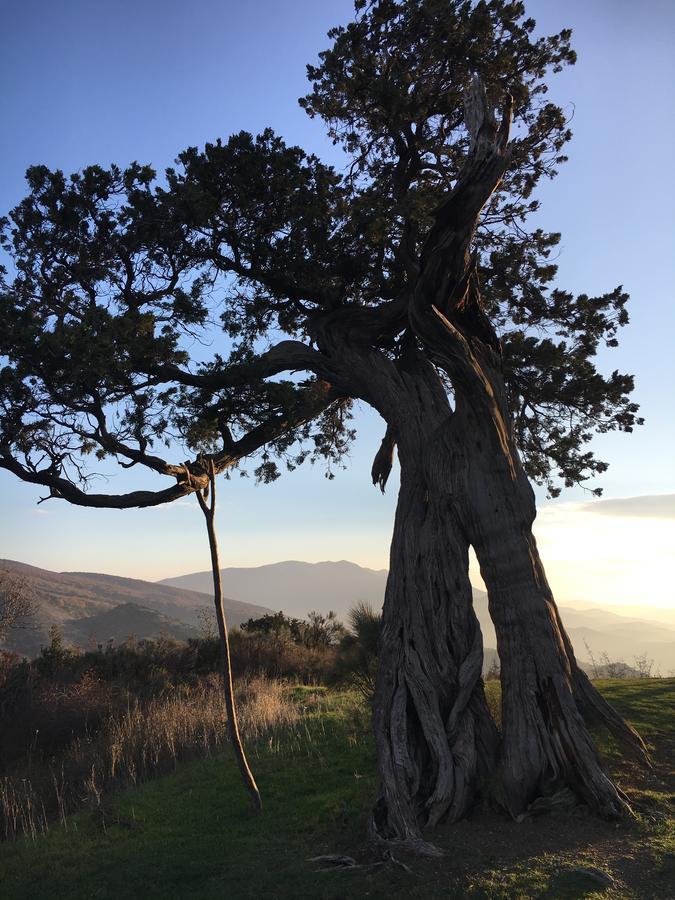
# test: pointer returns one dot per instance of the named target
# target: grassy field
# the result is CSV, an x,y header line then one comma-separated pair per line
x,y
192,834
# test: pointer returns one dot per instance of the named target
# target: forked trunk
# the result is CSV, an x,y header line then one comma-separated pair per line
x,y
546,744
434,735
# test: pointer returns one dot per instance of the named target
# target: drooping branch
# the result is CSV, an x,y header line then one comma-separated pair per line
x,y
208,508
62,488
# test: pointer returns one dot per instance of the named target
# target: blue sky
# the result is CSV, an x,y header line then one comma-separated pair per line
x,y
110,82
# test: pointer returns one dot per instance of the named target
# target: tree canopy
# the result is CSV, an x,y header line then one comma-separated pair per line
x,y
121,281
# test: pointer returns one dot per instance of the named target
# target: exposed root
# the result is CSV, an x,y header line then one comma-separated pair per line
x,y
412,844
332,862
595,709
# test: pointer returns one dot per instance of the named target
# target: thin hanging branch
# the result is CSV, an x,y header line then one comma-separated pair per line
x,y
209,510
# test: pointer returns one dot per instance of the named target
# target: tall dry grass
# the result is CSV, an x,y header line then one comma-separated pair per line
x,y
146,740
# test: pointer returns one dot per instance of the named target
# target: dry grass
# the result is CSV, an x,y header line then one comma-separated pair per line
x,y
148,739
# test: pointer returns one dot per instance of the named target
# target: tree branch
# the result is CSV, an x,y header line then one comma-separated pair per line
x,y
191,476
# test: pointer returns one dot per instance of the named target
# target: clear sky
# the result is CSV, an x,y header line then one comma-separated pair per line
x,y
100,82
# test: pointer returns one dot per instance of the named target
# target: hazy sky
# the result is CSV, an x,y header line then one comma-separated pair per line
x,y
115,81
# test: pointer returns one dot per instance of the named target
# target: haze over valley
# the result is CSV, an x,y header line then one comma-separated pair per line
x,y
93,608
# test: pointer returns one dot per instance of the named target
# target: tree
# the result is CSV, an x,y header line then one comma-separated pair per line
x,y
17,604
283,629
320,630
371,279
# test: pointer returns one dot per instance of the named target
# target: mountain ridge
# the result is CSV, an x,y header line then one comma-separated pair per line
x,y
81,603
65,597
321,586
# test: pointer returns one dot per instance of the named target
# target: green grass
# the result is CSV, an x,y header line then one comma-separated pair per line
x,y
649,704
192,834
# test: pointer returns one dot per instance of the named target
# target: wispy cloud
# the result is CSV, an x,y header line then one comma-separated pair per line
x,y
652,506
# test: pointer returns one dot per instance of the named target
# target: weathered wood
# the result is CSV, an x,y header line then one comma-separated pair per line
x,y
209,510
546,744
434,735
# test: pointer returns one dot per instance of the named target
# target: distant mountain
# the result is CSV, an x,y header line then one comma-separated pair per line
x,y
93,607
71,599
297,587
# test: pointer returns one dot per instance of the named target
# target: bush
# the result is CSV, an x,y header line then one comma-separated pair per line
x,y
356,663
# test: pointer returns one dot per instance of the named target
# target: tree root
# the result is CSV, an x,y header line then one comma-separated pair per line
x,y
595,709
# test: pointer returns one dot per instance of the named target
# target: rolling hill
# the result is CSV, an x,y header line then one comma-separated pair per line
x,y
122,622
92,608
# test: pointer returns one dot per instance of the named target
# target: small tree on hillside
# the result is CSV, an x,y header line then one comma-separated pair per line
x,y
276,625
357,660
18,605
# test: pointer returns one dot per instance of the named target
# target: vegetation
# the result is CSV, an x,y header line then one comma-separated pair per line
x,y
318,631
77,725
411,283
17,604
192,834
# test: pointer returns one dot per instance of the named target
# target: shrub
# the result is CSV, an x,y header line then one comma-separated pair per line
x,y
356,663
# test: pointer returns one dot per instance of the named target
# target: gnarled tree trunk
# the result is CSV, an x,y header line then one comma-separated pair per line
x,y
546,743
545,696
434,735
462,483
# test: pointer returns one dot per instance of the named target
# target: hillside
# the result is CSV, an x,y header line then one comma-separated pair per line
x,y
297,587
124,621
79,602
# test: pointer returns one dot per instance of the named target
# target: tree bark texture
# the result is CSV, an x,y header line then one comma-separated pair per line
x,y
434,735
545,696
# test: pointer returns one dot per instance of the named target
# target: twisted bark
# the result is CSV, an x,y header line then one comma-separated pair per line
x,y
546,699
545,740
545,743
434,735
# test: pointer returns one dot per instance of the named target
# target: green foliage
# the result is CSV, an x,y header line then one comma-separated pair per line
x,y
117,275
276,625
319,630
